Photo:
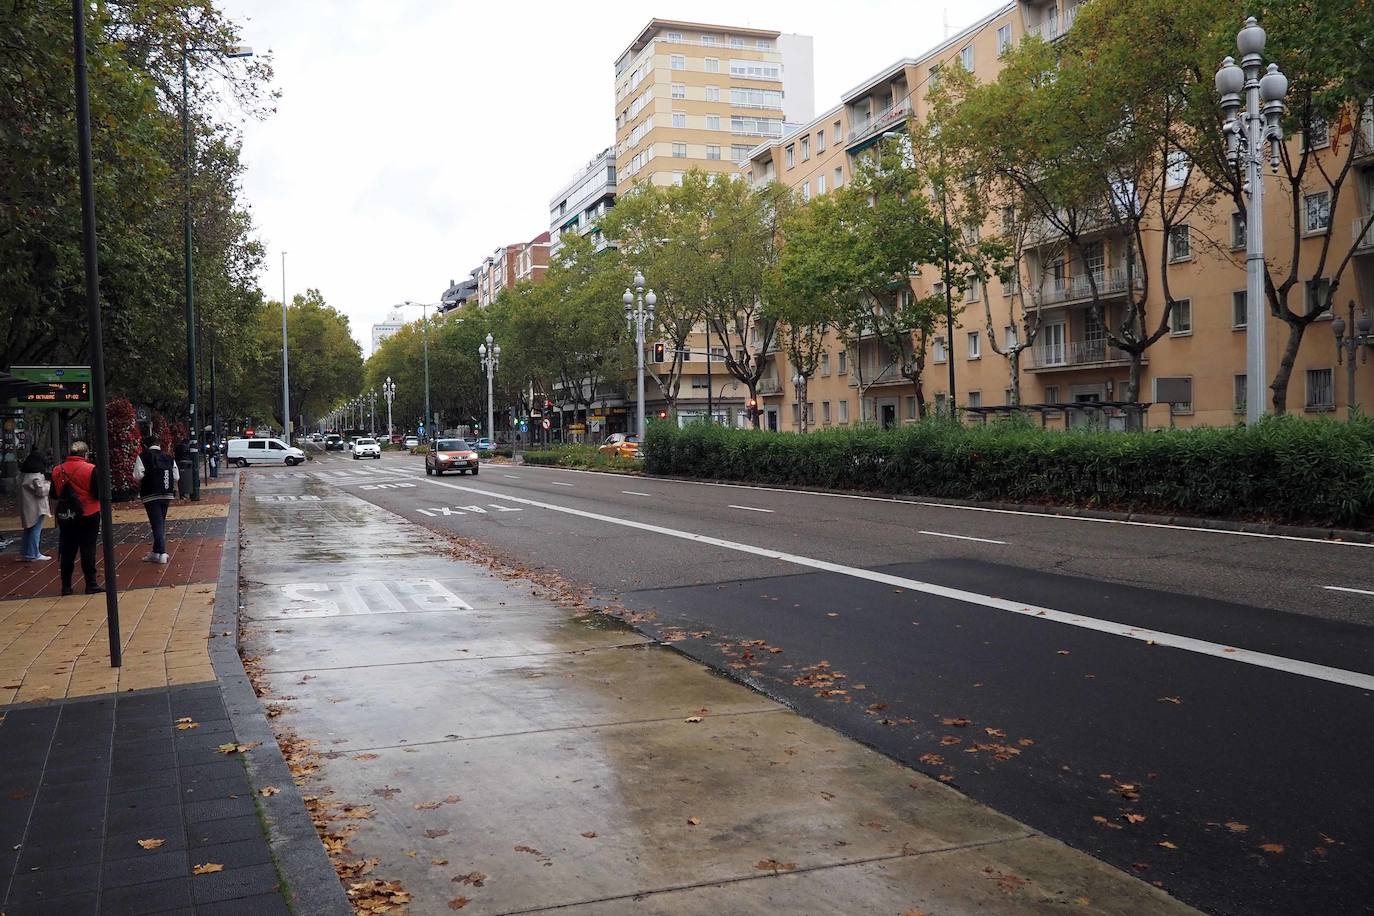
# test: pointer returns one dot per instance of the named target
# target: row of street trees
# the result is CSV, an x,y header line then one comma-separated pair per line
x,y
1112,132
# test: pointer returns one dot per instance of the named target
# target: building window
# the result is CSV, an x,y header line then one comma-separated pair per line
x,y
806,190
825,365
679,119
1321,394
1003,38
674,36
763,44
677,178
975,349
1317,134
825,412
740,153
736,41
791,156
1318,295
820,141
708,39
677,62
1051,394
1239,315
844,411
713,65
910,407
1237,231
975,399
1316,212
820,183
1239,394
712,152
937,350
1180,244
966,58
972,293
679,90
839,176
1183,385
805,148
844,363
713,93
837,132
713,122
810,413
679,150
1009,337
796,414
1176,169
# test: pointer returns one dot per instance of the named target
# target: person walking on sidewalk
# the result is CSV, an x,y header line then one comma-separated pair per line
x,y
33,504
78,516
184,464
157,475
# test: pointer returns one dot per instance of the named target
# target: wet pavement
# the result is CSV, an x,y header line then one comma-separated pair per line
x,y
516,755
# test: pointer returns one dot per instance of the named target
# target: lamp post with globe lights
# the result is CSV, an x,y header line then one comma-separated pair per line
x,y
1247,132
1357,342
490,355
639,318
389,392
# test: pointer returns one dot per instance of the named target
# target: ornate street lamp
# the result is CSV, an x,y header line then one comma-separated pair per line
x,y
490,355
639,317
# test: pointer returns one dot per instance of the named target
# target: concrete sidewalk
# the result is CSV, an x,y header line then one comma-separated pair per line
x,y
467,742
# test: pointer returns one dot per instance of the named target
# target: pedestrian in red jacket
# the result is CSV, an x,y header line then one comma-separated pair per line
x,y
77,512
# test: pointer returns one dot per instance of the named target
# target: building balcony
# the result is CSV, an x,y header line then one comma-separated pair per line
x,y
769,386
890,117
1057,28
1078,354
1363,237
1364,137
1110,282
889,374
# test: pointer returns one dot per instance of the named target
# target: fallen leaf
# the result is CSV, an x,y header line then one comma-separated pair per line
x,y
151,844
1175,700
774,865
1099,819
930,759
457,903
956,722
452,799
692,719
1134,818
1236,826
207,868
386,791
184,719
995,732
1025,742
945,777
475,878
693,821
1167,845
947,740
232,748
832,614
1062,652
183,726
913,912
438,861
589,834
411,852
427,806
364,756
268,791
1275,848
435,834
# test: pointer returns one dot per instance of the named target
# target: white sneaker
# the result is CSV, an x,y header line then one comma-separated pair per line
x,y
39,558
162,558
150,558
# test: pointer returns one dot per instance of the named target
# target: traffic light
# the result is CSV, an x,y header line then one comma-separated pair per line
x,y
662,414
753,404
548,405
659,352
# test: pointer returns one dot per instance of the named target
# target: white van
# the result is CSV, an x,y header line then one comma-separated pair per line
x,y
244,452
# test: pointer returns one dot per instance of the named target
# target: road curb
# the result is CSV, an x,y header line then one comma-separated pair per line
x,y
305,869
1318,532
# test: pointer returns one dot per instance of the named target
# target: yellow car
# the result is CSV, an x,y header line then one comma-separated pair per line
x,y
451,455
622,446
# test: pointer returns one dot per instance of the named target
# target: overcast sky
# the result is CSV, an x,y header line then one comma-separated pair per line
x,y
415,136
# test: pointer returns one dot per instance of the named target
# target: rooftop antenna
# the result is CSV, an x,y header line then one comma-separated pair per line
x,y
944,13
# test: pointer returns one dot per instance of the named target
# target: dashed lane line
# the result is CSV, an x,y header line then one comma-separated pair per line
x,y
960,537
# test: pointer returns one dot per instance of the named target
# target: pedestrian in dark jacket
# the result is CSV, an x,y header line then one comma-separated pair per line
x,y
74,481
156,474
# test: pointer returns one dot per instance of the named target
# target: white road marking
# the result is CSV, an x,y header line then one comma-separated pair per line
x,y
1356,591
512,476
749,508
559,483
1045,515
1152,637
634,493
960,537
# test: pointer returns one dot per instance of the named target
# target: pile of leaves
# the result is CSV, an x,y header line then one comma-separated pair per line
x,y
1284,470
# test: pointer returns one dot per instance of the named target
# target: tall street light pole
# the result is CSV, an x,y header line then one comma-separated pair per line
x,y
389,392
639,317
1246,136
1360,338
192,395
490,354
424,313
372,408
285,368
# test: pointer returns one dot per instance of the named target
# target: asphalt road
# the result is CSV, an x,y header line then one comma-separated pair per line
x,y
1192,706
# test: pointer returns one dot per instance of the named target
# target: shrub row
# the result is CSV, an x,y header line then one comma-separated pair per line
x,y
579,456
1284,470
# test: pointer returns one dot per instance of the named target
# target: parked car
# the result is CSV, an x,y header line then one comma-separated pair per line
x,y
451,455
412,442
244,452
367,448
333,443
482,445
397,439
622,446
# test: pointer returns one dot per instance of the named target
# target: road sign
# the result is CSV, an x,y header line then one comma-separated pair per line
x,y
69,387
545,423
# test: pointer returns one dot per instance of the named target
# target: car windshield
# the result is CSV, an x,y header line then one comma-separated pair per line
x,y
367,441
451,445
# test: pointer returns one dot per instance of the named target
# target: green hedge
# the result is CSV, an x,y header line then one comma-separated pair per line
x,y
579,456
1283,470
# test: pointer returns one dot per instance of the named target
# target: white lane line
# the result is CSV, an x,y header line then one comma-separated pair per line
x,y
749,508
559,483
1354,591
635,493
1053,516
512,476
960,537
1111,628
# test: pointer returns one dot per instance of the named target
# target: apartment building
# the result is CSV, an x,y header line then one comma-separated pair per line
x,y
395,320
458,294
1199,365
690,95
532,259
579,205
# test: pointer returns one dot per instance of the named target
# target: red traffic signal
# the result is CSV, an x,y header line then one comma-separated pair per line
x,y
659,352
662,414
753,404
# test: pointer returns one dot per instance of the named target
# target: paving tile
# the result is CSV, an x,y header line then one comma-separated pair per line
x,y
258,905
67,791
81,904
80,773
216,769
144,818
152,797
233,883
142,779
217,809
154,897
155,866
125,845
238,854
230,829
46,883
152,746
63,853
216,788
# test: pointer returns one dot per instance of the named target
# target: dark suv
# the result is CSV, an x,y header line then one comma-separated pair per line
x,y
333,443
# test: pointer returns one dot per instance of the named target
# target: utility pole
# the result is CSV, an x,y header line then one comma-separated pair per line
x,y
285,369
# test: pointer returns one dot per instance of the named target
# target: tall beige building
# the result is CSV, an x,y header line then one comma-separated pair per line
x,y
690,95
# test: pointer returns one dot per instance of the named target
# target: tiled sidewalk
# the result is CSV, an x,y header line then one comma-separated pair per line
x,y
94,759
